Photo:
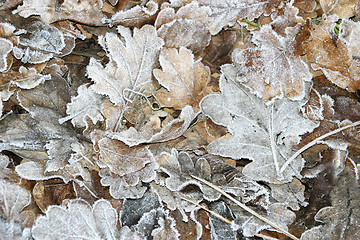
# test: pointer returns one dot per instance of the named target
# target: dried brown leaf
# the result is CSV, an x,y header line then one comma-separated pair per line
x,y
336,57
184,78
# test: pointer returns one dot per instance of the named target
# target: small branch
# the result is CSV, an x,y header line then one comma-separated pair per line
x,y
246,208
314,142
208,210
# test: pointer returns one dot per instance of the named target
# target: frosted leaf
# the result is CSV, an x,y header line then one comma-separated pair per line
x,y
220,229
5,48
86,103
30,78
250,225
314,108
152,132
340,220
184,78
271,69
264,134
133,17
191,11
337,59
134,209
119,188
50,11
120,158
292,194
8,39
32,170
342,8
226,12
78,220
40,45
166,229
180,167
13,199
191,34
173,200
130,67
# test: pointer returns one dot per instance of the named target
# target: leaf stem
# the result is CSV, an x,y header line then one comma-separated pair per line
x,y
314,142
246,208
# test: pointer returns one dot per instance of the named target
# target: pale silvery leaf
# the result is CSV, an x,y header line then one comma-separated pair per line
x,y
226,12
78,220
86,103
264,134
133,17
13,220
130,67
220,229
51,11
40,45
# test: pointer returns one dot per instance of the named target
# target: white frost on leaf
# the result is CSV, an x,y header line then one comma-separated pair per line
x,y
271,70
129,70
151,133
133,16
86,103
264,134
40,45
78,220
226,12
87,11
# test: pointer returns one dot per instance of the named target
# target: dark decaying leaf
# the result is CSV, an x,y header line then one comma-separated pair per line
x,y
340,220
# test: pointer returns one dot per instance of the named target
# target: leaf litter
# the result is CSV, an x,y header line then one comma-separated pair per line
x,y
138,115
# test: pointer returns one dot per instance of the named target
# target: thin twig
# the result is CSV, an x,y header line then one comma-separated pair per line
x,y
208,210
246,208
314,142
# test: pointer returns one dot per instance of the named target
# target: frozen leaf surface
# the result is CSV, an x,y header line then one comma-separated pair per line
x,y
271,69
40,45
121,159
340,220
86,103
226,12
191,34
78,220
119,188
134,17
264,134
152,132
13,199
131,62
180,167
87,11
184,78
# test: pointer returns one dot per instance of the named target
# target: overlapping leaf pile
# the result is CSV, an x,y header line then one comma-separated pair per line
x,y
109,108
